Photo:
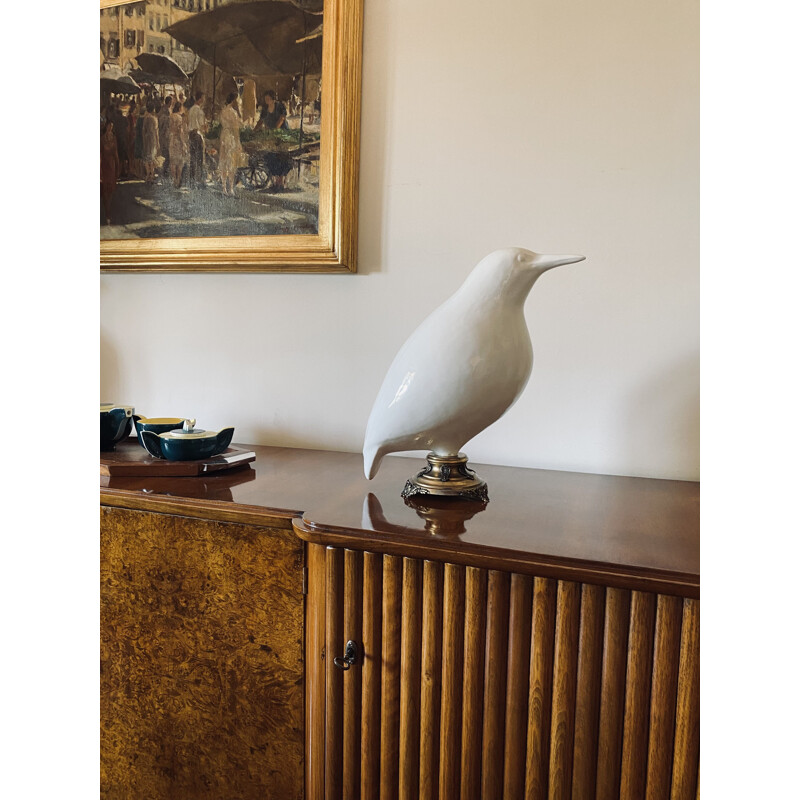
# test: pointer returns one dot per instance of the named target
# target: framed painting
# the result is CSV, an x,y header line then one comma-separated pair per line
x,y
229,135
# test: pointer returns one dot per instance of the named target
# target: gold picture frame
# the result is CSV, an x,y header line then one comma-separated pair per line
x,y
333,249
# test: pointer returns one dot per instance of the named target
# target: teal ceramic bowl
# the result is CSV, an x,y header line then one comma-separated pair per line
x,y
186,444
115,424
156,425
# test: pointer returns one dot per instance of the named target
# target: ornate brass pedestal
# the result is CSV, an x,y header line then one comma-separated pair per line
x,y
447,476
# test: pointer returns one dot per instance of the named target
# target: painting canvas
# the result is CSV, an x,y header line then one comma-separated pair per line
x,y
218,148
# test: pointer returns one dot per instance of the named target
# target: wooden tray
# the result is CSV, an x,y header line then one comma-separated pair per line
x,y
131,459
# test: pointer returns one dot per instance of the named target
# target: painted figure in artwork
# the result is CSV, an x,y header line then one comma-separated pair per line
x,y
163,133
273,113
273,117
229,144
197,144
150,143
178,143
183,150
109,167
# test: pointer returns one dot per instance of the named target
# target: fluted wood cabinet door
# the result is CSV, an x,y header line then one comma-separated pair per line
x,y
475,683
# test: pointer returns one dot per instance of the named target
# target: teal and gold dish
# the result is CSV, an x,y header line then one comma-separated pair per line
x,y
186,444
115,424
156,425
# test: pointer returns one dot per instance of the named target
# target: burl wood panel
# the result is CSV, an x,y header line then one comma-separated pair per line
x,y
201,659
522,687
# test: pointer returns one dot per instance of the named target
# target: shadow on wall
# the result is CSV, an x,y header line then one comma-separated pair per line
x,y
275,437
673,396
109,372
374,156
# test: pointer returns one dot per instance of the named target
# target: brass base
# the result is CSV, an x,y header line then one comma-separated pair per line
x,y
447,476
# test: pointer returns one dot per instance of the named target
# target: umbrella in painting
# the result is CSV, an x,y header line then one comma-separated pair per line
x,y
252,39
315,34
312,6
161,68
116,81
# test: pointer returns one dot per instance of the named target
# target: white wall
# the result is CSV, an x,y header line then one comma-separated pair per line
x,y
557,125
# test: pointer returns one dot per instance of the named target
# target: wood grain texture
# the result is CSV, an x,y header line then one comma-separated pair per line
x,y
666,655
519,658
201,688
334,646
587,698
371,676
637,696
687,722
474,655
496,675
562,726
315,672
431,679
452,682
132,461
496,685
609,530
390,676
351,696
632,533
540,694
410,675
612,696
623,533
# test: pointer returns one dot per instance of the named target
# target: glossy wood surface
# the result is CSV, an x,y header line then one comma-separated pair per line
x,y
127,461
201,687
634,533
543,646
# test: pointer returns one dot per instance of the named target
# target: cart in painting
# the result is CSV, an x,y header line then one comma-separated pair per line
x,y
274,157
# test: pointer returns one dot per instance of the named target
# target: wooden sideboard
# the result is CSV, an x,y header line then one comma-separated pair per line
x,y
543,646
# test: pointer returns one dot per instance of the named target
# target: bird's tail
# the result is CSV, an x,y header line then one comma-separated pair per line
x,y
373,455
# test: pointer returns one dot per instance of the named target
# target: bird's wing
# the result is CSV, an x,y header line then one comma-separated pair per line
x,y
441,366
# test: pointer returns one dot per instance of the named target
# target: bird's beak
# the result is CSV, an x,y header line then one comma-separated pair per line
x,y
543,263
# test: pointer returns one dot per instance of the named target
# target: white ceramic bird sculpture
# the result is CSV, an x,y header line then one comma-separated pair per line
x,y
464,366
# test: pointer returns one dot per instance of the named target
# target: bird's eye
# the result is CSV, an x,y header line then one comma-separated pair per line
x,y
519,258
